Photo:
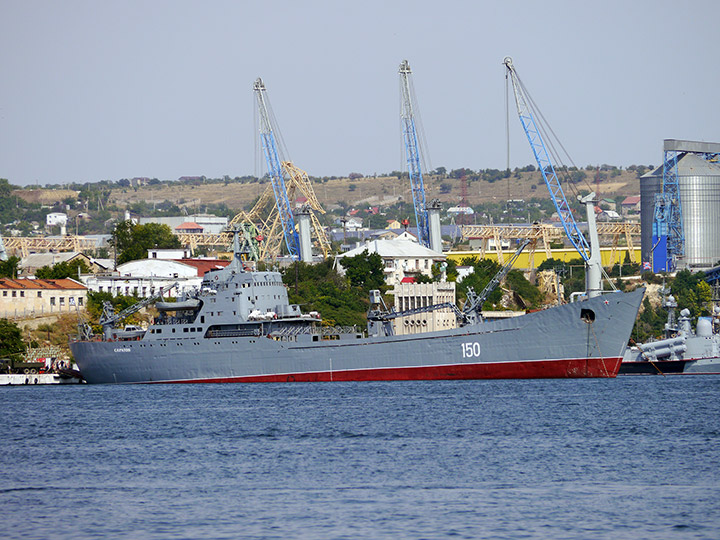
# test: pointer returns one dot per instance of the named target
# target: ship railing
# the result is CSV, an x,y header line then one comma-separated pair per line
x,y
291,331
173,320
313,330
234,333
336,330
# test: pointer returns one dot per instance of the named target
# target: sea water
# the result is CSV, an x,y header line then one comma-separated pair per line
x,y
632,457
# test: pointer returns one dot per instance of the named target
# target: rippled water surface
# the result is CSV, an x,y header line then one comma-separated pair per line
x,y
633,457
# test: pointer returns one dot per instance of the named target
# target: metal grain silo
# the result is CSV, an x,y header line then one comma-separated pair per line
x,y
699,183
699,187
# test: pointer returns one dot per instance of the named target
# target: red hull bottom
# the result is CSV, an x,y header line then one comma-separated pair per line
x,y
540,369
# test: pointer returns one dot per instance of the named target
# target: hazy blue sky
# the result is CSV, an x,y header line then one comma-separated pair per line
x,y
94,90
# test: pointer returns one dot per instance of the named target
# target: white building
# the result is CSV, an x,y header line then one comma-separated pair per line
x,y
456,210
145,278
401,257
169,254
30,297
210,224
417,295
56,218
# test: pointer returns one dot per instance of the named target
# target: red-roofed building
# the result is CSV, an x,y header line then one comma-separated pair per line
x,y
189,227
30,297
631,204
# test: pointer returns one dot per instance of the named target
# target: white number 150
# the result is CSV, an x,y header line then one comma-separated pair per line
x,y
470,350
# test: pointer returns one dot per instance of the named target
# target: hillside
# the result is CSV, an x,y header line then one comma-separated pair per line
x,y
373,191
485,190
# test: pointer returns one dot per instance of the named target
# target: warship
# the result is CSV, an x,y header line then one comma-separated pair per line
x,y
239,327
682,350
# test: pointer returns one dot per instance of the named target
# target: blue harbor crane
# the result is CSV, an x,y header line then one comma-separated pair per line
x,y
275,171
590,254
412,153
668,238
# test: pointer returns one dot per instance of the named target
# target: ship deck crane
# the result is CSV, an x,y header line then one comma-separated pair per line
x,y
590,252
412,154
380,317
272,157
109,318
475,302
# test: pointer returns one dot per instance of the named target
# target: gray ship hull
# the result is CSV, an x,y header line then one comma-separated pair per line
x,y
584,339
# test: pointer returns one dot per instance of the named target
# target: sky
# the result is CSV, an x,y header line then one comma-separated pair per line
x,y
104,90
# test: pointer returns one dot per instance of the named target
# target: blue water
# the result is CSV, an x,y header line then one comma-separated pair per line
x,y
633,457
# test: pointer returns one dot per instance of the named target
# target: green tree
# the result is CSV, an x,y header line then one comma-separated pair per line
x,y
319,287
9,210
692,292
649,323
9,268
364,270
530,295
132,241
11,343
95,305
483,272
64,269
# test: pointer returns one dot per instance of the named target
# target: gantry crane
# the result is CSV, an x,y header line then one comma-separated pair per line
x,y
590,252
272,157
668,238
268,219
412,153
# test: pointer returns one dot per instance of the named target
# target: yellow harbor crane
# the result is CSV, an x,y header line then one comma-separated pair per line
x,y
264,214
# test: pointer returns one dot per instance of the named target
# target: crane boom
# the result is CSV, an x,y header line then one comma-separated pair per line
x,y
547,169
109,318
275,172
412,153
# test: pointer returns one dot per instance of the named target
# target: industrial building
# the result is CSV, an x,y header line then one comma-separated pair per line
x,y
698,181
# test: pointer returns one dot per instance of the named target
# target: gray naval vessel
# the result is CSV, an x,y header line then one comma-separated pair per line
x,y
682,349
239,327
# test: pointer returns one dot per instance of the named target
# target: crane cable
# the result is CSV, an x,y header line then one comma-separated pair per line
x,y
545,132
551,139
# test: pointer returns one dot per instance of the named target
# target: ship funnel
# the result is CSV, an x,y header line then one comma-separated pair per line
x,y
593,280
303,219
433,210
